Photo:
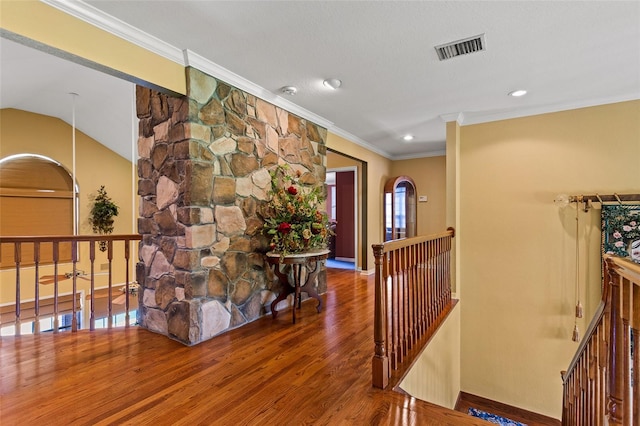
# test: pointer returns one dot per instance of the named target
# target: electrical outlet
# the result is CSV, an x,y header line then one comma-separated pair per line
x,y
422,198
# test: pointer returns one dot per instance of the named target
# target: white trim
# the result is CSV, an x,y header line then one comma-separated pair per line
x,y
358,141
368,271
91,15
192,59
485,117
346,259
439,153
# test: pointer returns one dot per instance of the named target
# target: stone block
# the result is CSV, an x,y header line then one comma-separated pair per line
x,y
223,145
295,125
165,222
236,102
155,320
266,112
144,146
160,266
212,114
242,164
161,132
224,190
200,132
235,124
167,192
199,236
143,102
230,220
179,321
217,284
283,120
215,319
234,264
159,155
200,86
149,298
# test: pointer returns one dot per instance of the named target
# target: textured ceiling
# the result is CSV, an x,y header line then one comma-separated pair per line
x,y
566,54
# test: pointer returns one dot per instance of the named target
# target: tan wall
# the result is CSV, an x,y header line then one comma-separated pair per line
x,y
25,132
517,249
378,171
45,24
435,376
429,175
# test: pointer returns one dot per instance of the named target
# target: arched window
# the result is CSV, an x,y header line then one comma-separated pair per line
x,y
399,208
36,198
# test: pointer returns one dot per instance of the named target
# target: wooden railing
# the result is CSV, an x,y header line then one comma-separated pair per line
x,y
601,383
25,274
412,295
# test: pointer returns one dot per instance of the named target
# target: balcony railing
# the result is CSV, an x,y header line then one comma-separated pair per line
x,y
36,280
601,383
412,295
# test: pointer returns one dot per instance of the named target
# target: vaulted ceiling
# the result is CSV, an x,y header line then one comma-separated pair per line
x,y
566,54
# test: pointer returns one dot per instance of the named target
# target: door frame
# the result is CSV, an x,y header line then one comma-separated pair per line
x,y
354,170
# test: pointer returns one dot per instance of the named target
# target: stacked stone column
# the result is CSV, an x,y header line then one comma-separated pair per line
x,y
203,170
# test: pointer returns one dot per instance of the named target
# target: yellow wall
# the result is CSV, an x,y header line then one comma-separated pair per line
x,y
517,249
26,132
429,175
45,24
378,171
435,376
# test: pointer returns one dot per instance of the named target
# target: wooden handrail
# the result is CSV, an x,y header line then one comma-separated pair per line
x,y
412,293
18,244
598,385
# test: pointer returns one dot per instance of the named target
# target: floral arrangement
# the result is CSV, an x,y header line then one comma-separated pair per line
x,y
621,227
294,221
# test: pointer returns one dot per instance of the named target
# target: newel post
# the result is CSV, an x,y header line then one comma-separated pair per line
x,y
615,403
380,361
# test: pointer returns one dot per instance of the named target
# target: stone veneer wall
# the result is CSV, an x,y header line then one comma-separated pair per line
x,y
203,170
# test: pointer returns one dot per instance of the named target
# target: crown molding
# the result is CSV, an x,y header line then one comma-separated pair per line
x,y
454,116
352,138
487,117
89,14
192,59
438,153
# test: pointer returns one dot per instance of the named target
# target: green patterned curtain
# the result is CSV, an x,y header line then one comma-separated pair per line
x,y
621,230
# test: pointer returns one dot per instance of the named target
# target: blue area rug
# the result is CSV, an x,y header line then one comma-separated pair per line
x,y
332,263
492,418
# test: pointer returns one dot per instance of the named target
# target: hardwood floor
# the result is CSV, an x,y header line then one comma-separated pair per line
x,y
269,372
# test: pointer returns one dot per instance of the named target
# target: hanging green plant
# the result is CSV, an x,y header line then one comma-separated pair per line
x,y
102,214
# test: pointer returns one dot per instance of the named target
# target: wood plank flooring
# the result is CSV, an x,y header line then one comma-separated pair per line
x,y
269,372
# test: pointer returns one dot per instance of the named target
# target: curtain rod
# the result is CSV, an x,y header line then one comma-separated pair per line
x,y
597,198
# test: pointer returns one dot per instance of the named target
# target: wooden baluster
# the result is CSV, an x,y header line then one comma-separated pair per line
x,y
56,257
626,348
92,260
110,298
393,310
615,404
380,362
17,257
126,280
36,306
423,287
635,356
74,279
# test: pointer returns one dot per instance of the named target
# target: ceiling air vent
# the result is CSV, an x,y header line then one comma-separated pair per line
x,y
460,47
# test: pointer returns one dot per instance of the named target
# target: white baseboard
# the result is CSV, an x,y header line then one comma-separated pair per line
x,y
368,271
345,259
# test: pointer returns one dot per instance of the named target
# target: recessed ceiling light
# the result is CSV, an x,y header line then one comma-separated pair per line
x,y
518,93
332,83
408,138
289,90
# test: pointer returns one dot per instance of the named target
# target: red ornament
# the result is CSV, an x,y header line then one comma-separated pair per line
x,y
292,190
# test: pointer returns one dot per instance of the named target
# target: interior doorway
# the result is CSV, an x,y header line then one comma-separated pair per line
x,y
346,196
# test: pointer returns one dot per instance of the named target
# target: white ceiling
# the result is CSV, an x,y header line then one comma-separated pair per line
x,y
567,54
